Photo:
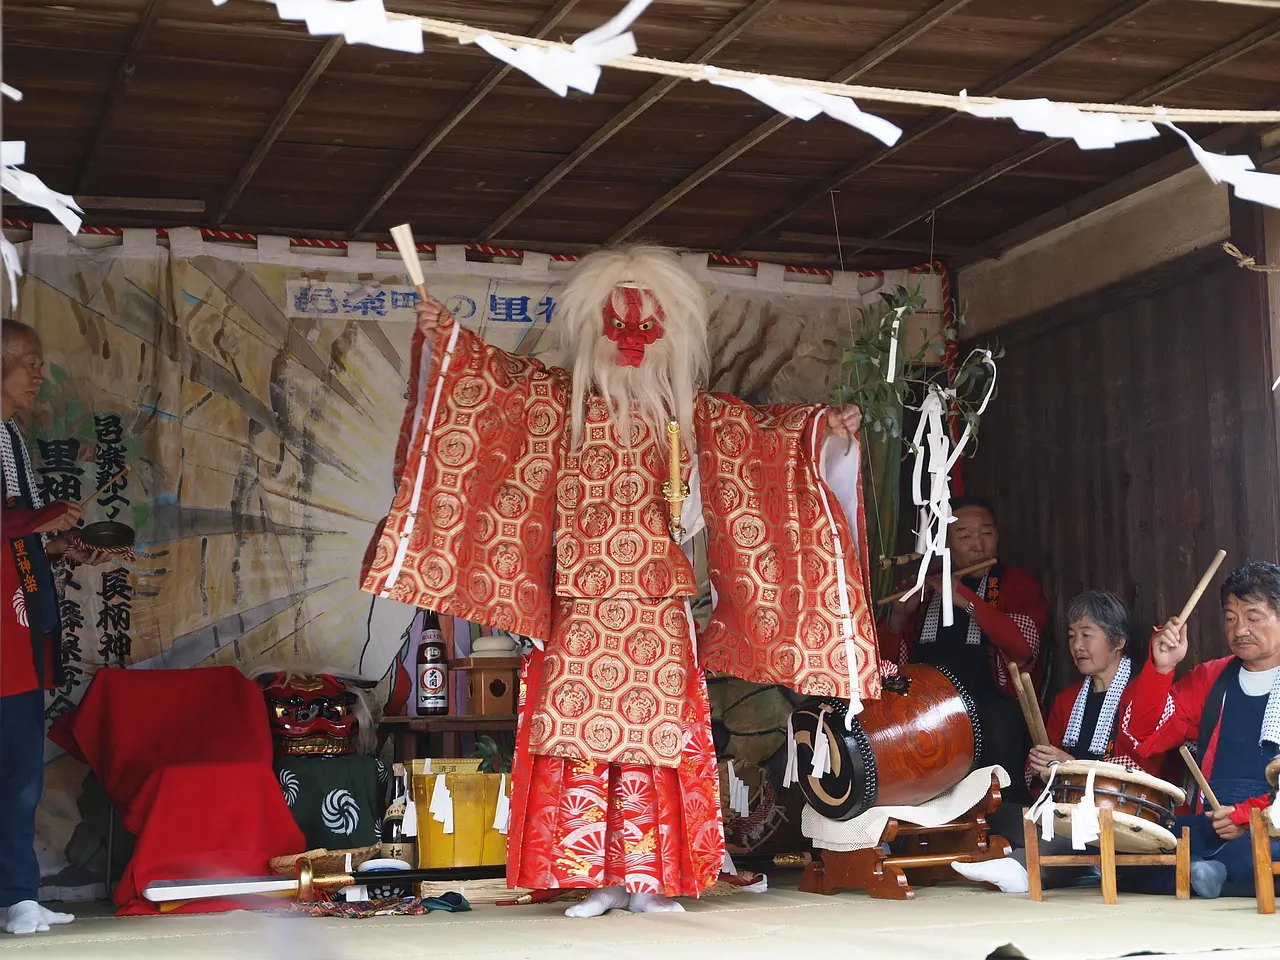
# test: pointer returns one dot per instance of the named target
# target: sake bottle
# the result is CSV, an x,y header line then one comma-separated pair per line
x,y
433,670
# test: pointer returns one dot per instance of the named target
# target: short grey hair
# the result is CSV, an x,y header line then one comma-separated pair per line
x,y
12,332
1103,608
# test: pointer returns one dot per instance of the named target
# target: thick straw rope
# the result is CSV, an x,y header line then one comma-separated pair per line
x,y
709,73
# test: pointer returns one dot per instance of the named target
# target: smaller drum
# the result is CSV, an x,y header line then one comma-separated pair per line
x,y
1141,805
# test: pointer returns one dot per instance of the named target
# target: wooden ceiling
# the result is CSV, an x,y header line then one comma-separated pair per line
x,y
277,131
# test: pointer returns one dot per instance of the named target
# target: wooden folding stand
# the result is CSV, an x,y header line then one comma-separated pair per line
x,y
1264,869
926,852
1106,859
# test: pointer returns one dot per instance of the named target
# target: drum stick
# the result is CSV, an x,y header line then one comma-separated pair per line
x,y
1022,700
1202,586
403,236
93,496
1201,782
962,572
1022,684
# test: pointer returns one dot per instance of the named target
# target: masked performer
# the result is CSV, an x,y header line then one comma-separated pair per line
x,y
548,502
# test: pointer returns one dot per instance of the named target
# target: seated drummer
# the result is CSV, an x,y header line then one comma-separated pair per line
x,y
1231,707
999,616
1082,724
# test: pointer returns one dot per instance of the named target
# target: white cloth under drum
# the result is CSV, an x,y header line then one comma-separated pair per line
x,y
864,831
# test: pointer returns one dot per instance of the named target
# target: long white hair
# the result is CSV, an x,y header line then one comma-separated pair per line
x,y
663,385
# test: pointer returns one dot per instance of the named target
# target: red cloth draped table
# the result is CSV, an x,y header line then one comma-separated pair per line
x,y
185,756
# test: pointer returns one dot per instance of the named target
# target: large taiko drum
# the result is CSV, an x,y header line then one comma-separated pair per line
x,y
919,739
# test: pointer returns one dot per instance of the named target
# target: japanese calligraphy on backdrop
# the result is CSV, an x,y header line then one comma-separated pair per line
x,y
256,401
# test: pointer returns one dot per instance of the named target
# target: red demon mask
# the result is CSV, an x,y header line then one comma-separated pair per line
x,y
310,715
633,320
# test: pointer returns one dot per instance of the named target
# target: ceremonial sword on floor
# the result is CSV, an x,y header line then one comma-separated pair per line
x,y
306,886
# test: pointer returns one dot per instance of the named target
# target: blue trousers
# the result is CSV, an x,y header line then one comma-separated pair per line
x,y
1236,855
21,782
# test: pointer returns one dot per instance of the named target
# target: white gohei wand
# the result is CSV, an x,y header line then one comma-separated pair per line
x,y
403,236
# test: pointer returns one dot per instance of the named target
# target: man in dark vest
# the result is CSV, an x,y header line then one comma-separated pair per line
x,y
1231,707
999,619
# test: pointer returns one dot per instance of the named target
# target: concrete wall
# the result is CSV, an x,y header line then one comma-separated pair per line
x,y
1155,225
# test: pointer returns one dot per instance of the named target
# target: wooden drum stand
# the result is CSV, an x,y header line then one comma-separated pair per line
x,y
926,852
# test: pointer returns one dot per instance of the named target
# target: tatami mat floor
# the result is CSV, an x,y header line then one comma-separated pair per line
x,y
956,921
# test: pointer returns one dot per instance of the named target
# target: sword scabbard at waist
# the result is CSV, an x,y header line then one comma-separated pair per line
x,y
674,490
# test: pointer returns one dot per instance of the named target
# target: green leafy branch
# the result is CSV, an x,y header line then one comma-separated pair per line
x,y
864,377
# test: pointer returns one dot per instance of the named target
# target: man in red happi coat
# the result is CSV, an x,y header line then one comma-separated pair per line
x,y
34,538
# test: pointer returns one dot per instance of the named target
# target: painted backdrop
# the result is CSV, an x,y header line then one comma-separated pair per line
x,y
255,395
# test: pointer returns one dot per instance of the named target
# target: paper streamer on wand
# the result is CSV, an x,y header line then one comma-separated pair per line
x,y
403,236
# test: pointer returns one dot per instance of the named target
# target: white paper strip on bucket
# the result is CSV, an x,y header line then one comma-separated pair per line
x,y
441,806
502,816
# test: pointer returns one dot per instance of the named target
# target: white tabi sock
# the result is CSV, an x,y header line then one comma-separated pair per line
x,y
27,916
653,903
1006,873
598,902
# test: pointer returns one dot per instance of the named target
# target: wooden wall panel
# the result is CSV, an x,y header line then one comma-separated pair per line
x,y
1134,434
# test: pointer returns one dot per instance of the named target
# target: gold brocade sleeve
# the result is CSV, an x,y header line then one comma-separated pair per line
x,y
791,594
471,528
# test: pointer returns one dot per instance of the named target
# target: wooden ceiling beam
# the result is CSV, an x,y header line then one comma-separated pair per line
x,y
446,126
729,32
1190,72
1173,163
124,73
877,54
290,107
868,243
1018,71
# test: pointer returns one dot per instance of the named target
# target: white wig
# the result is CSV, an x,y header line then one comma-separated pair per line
x,y
663,385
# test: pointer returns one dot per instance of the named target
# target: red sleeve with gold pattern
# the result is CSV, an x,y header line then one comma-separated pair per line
x,y
791,596
470,530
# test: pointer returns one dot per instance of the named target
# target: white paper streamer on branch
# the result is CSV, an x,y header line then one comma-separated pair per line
x,y
1090,131
1237,170
806,104
357,21
578,67
935,512
893,344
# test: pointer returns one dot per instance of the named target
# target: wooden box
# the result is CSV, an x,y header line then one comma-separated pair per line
x,y
474,842
493,684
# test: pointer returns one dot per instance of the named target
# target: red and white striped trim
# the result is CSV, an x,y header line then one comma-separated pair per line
x,y
234,236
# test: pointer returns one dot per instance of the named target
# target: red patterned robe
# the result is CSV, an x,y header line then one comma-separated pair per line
x,y
498,520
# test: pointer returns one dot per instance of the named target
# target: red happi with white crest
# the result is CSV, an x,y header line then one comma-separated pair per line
x,y
531,499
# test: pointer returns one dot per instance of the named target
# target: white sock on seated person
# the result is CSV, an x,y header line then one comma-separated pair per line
x,y
1006,873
